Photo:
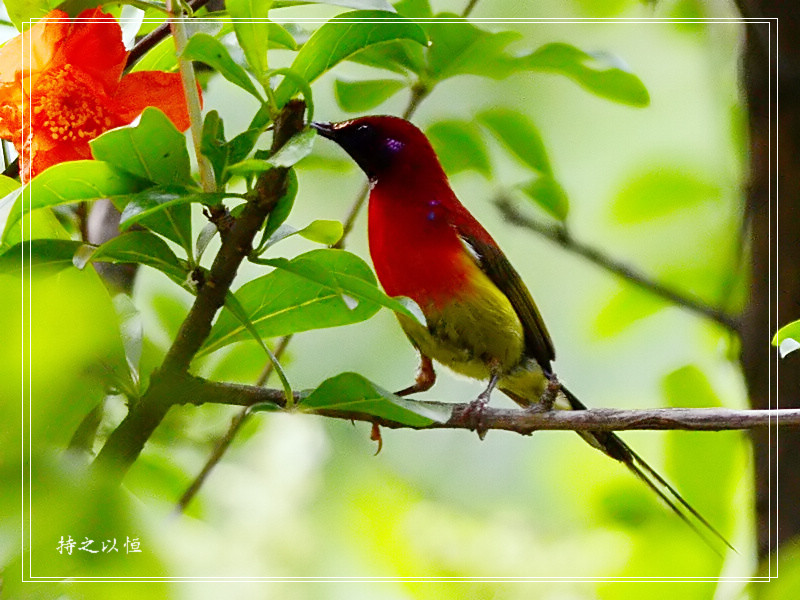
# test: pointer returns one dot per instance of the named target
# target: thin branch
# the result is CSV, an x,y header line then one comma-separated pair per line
x,y
127,441
352,215
233,429
144,45
199,391
177,25
216,455
468,8
419,91
561,236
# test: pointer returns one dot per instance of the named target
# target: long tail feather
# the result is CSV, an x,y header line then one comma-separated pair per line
x,y
613,446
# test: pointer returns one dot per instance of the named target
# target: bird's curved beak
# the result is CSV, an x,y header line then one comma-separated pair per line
x,y
325,129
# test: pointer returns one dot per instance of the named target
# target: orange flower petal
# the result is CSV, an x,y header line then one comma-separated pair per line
x,y
11,113
94,46
141,89
40,153
33,49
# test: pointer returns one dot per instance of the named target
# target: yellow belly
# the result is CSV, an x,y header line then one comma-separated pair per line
x,y
476,332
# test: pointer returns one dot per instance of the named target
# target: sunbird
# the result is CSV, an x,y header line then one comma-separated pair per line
x,y
481,319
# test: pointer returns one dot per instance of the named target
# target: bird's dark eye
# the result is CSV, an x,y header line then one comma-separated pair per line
x,y
362,129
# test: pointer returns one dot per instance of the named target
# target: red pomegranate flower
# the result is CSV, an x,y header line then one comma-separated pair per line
x,y
61,85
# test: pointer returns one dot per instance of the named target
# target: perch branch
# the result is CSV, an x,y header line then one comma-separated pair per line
x,y
199,391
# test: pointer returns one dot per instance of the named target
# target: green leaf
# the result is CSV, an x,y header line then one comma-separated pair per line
x,y
340,38
39,224
165,210
688,387
351,288
7,186
360,4
361,96
265,407
252,31
283,207
237,310
173,222
608,8
280,37
397,56
207,49
600,74
282,302
628,306
298,147
459,147
352,392
153,149
237,363
213,144
662,192
518,133
44,254
787,338
131,331
304,87
460,48
383,5
316,162
156,200
241,145
72,181
204,238
548,194
22,12
249,166
414,9
295,149
322,231
160,57
140,247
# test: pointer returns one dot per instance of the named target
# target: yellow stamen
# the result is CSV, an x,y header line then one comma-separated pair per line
x,y
70,105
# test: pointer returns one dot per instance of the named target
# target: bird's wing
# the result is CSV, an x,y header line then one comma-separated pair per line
x,y
497,267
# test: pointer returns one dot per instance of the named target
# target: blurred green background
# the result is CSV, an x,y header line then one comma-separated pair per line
x,y
660,188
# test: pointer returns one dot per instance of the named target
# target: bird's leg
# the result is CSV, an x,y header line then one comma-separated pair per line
x,y
426,377
474,412
549,396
